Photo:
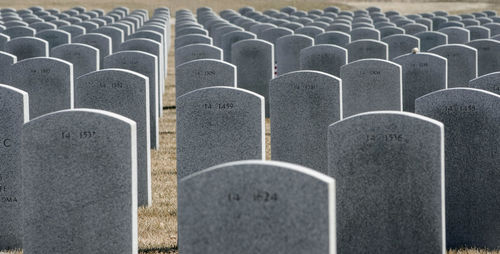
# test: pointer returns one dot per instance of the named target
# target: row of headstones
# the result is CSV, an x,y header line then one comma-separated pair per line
x,y
392,185
421,73
91,165
219,116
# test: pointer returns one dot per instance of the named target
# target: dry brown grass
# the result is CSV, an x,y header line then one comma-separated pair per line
x,y
158,223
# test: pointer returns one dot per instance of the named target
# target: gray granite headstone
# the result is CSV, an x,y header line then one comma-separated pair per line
x,y
99,41
254,60
217,125
456,35
489,82
19,31
362,49
414,28
83,164
230,38
478,32
369,85
264,206
74,30
431,39
303,104
197,51
288,52
462,63
219,32
192,39
325,58
423,73
116,35
15,112
388,31
6,60
488,55
145,64
84,58
27,47
203,73
310,31
333,37
48,81
401,44
470,117
54,37
126,93
154,48
41,26
389,169
365,33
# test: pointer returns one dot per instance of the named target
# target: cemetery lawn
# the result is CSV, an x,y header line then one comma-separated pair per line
x,y
158,223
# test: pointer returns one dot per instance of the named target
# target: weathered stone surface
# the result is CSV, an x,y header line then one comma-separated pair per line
x,y
145,64
116,35
230,38
333,37
288,52
400,44
99,41
389,168
456,35
254,59
192,39
263,200
470,117
369,85
325,58
15,112
303,104
364,33
84,58
462,63
217,125
6,60
423,73
48,81
431,39
84,162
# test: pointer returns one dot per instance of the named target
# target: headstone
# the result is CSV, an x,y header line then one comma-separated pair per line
x,y
15,113
197,51
423,73
98,41
254,59
489,82
430,40
154,48
73,30
255,194
488,55
228,124
310,31
19,31
6,60
145,64
388,31
370,85
203,73
456,35
365,33
462,63
114,33
48,81
303,104
84,58
400,44
362,49
85,161
192,39
288,52
27,47
230,38
470,117
325,58
126,93
478,32
54,37
332,37
389,168
414,28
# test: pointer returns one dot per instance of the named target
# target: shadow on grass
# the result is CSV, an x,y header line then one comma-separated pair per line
x,y
158,250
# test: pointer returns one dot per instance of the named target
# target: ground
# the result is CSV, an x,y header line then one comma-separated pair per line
x,y
158,223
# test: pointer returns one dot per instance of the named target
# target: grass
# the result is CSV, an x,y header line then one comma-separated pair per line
x,y
158,223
